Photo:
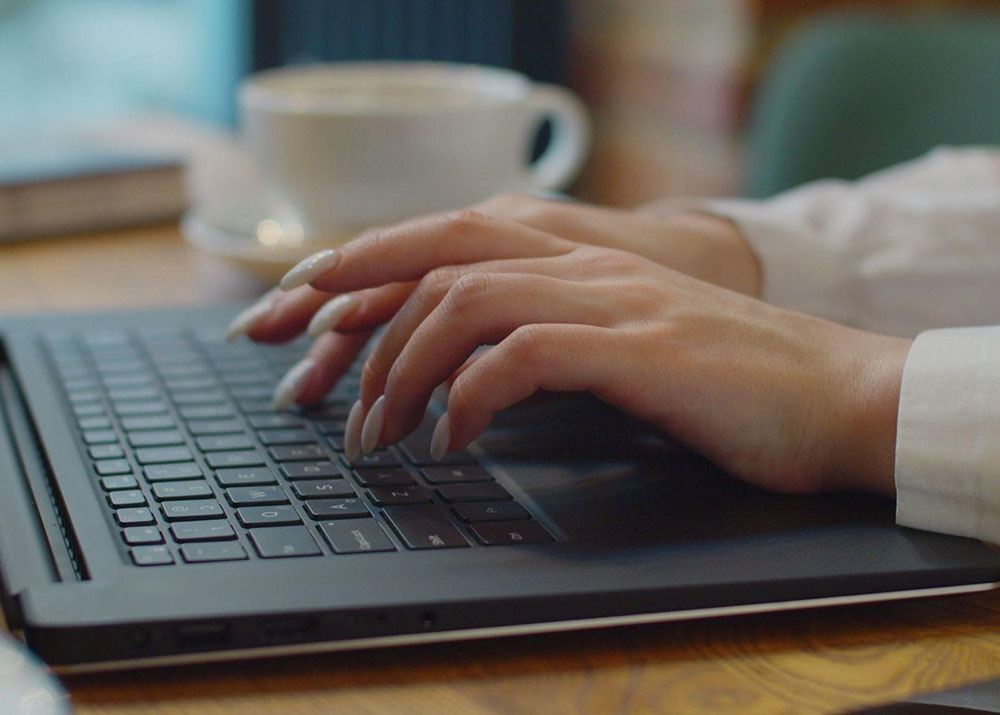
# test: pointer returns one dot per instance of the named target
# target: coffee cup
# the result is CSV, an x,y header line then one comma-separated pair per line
x,y
342,147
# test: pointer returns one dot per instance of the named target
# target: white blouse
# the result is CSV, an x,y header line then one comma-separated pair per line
x,y
913,249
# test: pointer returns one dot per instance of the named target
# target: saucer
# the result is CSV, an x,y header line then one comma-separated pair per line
x,y
259,245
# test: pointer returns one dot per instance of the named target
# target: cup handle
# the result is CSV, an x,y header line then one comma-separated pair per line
x,y
570,140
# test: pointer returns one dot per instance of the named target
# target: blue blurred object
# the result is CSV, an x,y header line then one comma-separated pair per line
x,y
850,94
71,62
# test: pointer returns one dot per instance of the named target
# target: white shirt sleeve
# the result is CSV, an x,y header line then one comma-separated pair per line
x,y
904,251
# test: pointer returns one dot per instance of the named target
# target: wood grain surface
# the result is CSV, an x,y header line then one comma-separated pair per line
x,y
824,660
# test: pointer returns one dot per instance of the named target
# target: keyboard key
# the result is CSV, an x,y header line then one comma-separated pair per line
x,y
387,496
163,455
322,488
256,406
131,409
376,477
171,472
192,510
248,496
252,392
89,410
378,458
206,412
500,533
113,381
106,451
286,436
210,397
126,497
297,453
491,511
212,427
417,447
155,438
310,470
349,508
107,467
483,491
456,474
424,527
129,394
275,421
284,541
185,531
187,384
100,436
224,443
139,516
88,423
151,422
356,536
250,476
244,458
139,535
125,481
212,551
198,489
280,515
152,556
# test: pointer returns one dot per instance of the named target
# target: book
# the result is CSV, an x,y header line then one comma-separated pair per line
x,y
69,186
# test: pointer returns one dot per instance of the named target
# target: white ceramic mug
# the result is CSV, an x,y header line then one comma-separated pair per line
x,y
342,147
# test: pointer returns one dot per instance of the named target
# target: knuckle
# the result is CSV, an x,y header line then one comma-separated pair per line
x,y
437,282
465,223
466,294
526,346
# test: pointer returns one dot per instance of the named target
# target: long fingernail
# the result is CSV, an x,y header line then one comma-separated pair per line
x,y
246,319
372,429
291,384
330,314
352,432
440,437
309,268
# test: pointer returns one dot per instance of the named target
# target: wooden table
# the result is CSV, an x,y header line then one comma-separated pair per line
x,y
824,660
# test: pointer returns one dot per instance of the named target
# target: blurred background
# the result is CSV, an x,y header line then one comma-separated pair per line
x,y
674,85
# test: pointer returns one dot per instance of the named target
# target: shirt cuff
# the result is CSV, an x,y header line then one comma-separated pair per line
x,y
948,434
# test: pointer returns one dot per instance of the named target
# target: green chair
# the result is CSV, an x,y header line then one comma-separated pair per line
x,y
849,94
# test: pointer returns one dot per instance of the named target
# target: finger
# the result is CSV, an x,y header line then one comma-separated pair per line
x,y
408,251
360,310
329,357
478,309
555,358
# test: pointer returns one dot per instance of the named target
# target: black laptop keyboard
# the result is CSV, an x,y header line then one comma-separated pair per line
x,y
195,466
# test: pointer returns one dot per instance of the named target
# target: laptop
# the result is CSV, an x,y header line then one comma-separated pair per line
x,y
155,510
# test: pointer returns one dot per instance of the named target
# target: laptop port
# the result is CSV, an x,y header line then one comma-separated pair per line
x,y
289,628
203,636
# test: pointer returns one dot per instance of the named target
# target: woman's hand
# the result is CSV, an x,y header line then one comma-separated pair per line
x,y
782,400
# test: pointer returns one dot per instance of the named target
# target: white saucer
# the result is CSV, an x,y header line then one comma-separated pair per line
x,y
257,244
26,687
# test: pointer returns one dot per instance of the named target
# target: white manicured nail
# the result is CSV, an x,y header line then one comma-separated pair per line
x,y
372,429
440,438
329,315
291,384
352,431
246,319
309,268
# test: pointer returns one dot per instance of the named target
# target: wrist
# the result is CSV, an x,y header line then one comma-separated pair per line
x,y
865,455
